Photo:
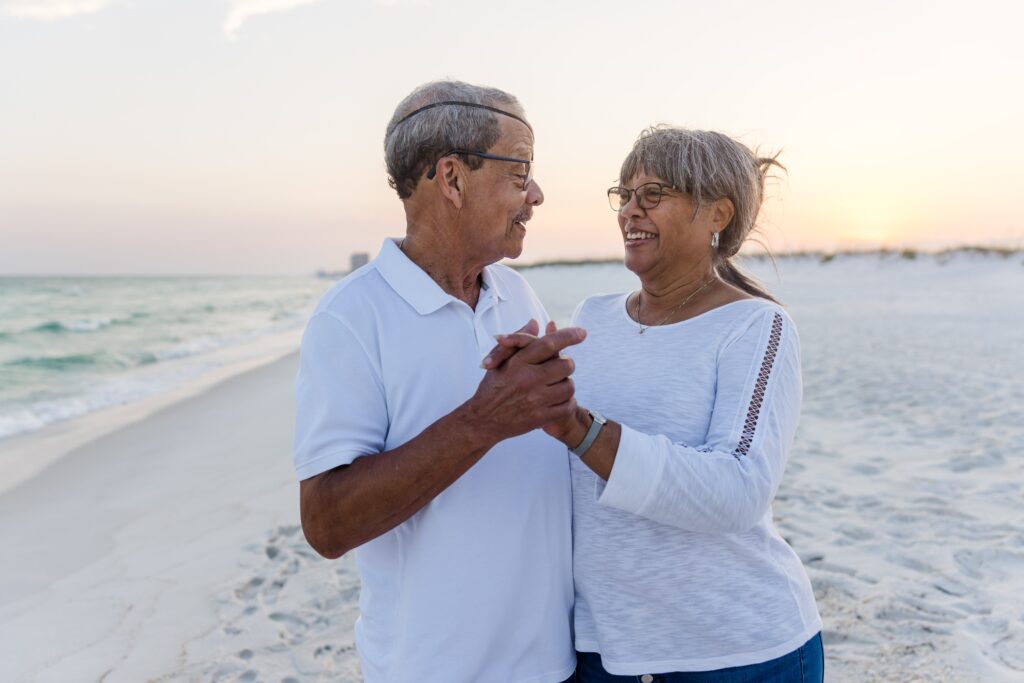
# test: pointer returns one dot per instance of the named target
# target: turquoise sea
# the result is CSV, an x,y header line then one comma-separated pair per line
x,y
71,346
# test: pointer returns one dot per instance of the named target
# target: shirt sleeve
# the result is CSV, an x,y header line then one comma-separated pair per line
x,y
340,406
726,484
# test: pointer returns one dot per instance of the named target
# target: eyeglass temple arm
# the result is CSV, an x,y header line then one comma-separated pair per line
x,y
433,169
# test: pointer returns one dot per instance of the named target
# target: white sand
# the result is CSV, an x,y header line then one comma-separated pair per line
x,y
170,550
905,494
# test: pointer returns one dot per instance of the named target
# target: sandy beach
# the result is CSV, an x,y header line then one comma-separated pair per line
x,y
168,548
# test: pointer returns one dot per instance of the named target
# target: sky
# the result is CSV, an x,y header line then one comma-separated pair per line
x,y
246,136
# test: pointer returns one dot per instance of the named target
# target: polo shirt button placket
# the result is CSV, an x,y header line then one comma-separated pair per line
x,y
484,339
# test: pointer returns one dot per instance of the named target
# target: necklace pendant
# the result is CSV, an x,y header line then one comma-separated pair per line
x,y
642,330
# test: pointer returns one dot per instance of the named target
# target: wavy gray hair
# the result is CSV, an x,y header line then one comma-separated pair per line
x,y
413,146
708,166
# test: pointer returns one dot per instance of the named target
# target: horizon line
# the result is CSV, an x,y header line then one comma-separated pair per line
x,y
825,255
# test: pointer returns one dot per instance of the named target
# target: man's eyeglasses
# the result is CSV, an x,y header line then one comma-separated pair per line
x,y
527,177
648,195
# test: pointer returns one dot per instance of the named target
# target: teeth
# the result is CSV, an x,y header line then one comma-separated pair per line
x,y
638,235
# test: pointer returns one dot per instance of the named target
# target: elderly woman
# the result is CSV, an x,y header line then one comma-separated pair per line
x,y
689,392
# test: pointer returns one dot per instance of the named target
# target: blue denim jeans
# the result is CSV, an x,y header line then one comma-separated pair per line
x,y
806,664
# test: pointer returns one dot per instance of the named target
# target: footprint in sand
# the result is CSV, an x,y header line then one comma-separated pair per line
x,y
1010,650
911,563
970,563
250,589
295,625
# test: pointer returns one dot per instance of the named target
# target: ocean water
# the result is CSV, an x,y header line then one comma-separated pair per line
x,y
71,346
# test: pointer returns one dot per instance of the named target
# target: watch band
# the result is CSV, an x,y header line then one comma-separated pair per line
x,y
595,429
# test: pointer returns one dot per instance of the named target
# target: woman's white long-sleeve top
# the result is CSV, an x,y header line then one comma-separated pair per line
x,y
677,562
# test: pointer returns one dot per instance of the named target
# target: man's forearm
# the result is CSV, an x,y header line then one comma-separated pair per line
x,y
348,506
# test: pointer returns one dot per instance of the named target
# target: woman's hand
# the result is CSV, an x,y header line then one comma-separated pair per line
x,y
573,429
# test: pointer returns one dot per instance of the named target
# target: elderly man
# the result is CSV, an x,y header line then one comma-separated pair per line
x,y
407,450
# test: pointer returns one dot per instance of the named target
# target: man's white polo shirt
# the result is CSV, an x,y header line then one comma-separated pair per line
x,y
476,586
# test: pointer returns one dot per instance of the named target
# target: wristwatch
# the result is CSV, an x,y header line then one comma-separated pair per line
x,y
595,429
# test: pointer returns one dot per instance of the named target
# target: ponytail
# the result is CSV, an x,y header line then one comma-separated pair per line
x,y
731,274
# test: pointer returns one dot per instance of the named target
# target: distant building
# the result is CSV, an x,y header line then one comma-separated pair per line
x,y
359,259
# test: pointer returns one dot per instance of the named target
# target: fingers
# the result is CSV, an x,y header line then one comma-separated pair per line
x,y
556,369
560,392
506,347
508,344
523,336
516,340
559,415
551,345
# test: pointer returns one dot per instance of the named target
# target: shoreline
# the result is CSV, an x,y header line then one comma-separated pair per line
x,y
98,447
158,550
49,444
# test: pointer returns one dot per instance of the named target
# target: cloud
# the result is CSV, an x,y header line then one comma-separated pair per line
x,y
243,9
52,9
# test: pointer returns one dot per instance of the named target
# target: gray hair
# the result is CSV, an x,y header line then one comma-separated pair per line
x,y
413,146
708,166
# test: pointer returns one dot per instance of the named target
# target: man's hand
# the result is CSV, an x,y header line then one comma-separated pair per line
x,y
347,506
529,387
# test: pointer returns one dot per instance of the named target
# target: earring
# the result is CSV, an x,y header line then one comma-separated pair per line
x,y
714,240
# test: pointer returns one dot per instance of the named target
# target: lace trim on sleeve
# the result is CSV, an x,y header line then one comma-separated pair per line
x,y
754,410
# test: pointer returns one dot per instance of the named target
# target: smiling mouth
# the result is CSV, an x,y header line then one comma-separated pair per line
x,y
639,236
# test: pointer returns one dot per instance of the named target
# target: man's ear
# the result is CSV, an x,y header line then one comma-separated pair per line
x,y
451,180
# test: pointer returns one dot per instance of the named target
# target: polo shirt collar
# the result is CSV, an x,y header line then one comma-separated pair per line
x,y
414,285
492,285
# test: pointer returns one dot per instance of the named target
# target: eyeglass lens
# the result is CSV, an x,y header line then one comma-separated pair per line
x,y
648,196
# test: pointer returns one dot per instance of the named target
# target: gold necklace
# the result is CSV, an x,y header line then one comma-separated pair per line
x,y
674,309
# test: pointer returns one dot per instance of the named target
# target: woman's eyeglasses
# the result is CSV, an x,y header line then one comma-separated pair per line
x,y
648,195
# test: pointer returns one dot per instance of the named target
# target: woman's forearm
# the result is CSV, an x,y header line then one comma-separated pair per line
x,y
600,457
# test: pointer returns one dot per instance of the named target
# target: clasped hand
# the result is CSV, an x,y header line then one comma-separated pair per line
x,y
533,379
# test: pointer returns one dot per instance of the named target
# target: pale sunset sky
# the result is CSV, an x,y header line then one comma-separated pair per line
x,y
245,136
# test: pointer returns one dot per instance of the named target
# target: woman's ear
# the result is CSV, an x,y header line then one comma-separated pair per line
x,y
451,180
722,211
